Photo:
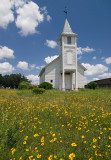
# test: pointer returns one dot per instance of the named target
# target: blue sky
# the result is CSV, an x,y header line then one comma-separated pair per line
x,y
29,30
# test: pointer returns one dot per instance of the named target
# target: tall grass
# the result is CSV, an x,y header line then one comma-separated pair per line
x,y
55,125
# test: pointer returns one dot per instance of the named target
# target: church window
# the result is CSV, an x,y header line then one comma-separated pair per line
x,y
51,81
68,40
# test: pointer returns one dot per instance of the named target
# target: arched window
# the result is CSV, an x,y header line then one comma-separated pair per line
x,y
69,58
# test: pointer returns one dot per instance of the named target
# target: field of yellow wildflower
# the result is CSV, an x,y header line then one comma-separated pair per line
x,y
55,125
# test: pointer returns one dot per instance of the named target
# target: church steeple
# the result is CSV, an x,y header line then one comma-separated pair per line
x,y
67,29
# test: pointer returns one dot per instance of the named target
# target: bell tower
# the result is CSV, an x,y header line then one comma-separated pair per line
x,y
68,58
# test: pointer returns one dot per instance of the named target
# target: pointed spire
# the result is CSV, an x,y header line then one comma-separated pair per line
x,y
67,29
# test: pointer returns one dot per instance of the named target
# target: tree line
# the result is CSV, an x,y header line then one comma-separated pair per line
x,y
12,80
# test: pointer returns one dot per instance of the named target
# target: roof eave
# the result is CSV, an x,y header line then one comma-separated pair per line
x,y
67,34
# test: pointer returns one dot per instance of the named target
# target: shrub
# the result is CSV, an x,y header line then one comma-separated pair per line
x,y
24,85
92,85
38,90
45,85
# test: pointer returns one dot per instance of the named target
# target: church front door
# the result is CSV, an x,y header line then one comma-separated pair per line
x,y
68,81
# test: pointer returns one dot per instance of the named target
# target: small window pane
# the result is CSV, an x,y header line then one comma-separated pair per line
x,y
68,40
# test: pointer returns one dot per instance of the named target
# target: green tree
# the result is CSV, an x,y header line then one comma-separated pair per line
x,y
1,80
45,85
92,85
24,85
13,80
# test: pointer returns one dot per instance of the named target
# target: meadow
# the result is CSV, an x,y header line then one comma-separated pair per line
x,y
55,125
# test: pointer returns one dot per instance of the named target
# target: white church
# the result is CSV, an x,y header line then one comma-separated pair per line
x,y
65,72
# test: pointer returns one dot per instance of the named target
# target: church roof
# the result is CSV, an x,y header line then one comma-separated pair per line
x,y
67,29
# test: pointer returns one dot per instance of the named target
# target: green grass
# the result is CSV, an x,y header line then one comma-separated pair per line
x,y
55,124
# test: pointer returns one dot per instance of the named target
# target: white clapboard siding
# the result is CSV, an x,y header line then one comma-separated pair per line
x,y
80,76
42,78
52,72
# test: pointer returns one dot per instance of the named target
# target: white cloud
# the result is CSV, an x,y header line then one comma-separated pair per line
x,y
45,12
95,79
50,59
33,78
22,65
94,58
108,60
29,17
51,43
81,50
6,13
5,52
49,18
19,3
32,66
6,67
105,75
93,70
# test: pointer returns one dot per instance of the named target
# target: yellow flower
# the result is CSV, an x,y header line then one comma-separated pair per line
x,y
53,135
35,148
94,140
42,144
38,156
83,137
55,139
73,144
71,156
90,158
109,146
50,157
55,157
27,150
51,140
94,146
42,139
20,158
109,137
35,135
84,142
96,153
24,142
26,138
13,150
79,128
30,157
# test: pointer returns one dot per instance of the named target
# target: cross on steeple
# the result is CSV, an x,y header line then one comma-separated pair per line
x,y
65,11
